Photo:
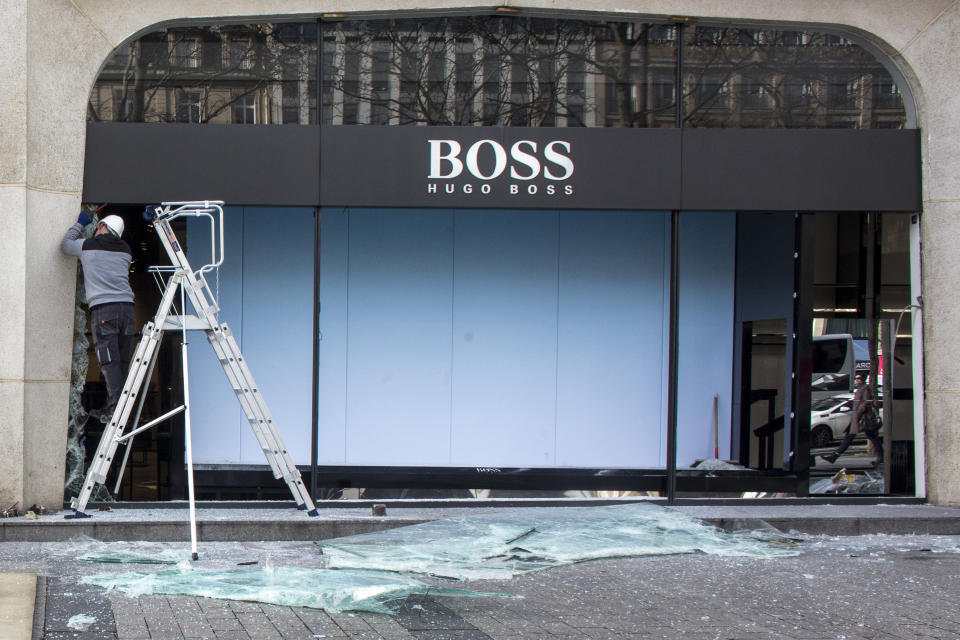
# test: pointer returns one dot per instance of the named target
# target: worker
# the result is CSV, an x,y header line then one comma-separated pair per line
x,y
105,259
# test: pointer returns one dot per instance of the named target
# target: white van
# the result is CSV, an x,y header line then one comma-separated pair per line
x,y
834,364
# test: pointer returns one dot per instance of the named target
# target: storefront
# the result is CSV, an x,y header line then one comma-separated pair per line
x,y
497,252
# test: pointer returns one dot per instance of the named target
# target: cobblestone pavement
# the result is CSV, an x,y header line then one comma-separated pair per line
x,y
876,587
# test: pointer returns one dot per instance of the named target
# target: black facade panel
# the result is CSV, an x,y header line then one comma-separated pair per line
x,y
600,168
801,169
240,164
553,168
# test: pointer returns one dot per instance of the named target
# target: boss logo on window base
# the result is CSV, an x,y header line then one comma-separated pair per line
x,y
530,170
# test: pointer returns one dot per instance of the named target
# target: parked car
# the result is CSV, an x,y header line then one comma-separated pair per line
x,y
829,418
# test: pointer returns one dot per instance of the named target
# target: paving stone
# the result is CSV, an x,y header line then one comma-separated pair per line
x,y
451,634
241,606
319,623
211,605
350,622
184,605
258,626
194,627
132,629
65,599
223,623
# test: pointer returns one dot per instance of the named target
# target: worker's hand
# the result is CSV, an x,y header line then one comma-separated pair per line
x,y
150,212
84,218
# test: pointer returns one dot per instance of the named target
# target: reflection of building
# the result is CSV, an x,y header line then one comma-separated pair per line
x,y
230,74
764,273
507,71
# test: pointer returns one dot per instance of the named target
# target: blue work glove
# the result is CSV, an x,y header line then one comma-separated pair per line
x,y
150,212
84,218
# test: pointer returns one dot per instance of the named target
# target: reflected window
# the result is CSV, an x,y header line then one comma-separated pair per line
x,y
186,53
291,102
797,93
244,110
188,106
787,78
240,53
576,89
886,94
754,93
496,71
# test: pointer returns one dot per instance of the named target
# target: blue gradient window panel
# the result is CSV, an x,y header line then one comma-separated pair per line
x,y
493,338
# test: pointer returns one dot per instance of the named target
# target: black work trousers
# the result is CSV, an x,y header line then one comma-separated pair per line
x,y
112,325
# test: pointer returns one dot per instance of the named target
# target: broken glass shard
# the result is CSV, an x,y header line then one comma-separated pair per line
x,y
501,545
92,550
332,590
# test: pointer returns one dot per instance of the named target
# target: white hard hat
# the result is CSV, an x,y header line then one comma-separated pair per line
x,y
115,224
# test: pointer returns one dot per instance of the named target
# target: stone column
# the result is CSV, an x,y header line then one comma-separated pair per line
x,y
13,140
48,51
931,55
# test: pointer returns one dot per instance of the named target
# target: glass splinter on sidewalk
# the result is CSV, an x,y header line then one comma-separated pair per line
x,y
333,591
501,545
377,571
92,550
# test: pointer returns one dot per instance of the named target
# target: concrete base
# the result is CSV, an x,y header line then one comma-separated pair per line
x,y
266,524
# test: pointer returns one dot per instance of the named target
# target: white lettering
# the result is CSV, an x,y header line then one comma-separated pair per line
x,y
431,188
449,188
514,188
468,188
437,157
499,155
558,159
526,159
568,189
531,189
551,189
485,188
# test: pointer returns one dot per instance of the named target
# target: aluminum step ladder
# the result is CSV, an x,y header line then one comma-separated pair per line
x,y
192,285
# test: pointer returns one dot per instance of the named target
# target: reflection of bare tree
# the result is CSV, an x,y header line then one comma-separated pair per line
x,y
204,74
449,71
768,78
495,70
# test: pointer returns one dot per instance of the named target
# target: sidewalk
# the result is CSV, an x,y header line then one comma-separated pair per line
x,y
830,590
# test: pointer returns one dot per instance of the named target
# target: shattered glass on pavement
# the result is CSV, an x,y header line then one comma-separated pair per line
x,y
377,571
333,591
92,550
502,545
844,482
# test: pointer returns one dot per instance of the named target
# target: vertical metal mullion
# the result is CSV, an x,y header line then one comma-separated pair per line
x,y
317,219
672,364
315,390
674,329
803,257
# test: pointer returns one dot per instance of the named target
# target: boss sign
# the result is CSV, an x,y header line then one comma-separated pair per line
x,y
486,166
